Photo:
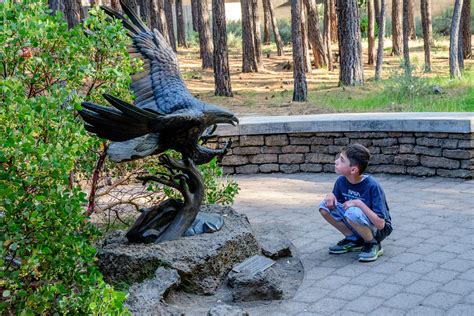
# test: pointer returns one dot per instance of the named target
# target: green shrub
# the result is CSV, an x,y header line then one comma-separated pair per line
x,y
46,258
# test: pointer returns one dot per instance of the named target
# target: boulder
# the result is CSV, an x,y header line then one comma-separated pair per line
x,y
265,285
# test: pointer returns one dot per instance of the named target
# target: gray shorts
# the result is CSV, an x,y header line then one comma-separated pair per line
x,y
354,214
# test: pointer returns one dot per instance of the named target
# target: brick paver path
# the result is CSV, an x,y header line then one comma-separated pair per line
x,y
428,262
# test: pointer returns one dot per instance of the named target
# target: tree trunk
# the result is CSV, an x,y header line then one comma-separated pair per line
x,y
249,61
221,58
350,49
169,22
276,32
411,19
315,38
425,8
266,22
377,10
304,39
371,31
300,86
157,17
56,5
406,37
454,69
145,11
132,4
205,40
466,29
381,37
397,37
180,24
72,11
194,14
327,33
256,33
333,15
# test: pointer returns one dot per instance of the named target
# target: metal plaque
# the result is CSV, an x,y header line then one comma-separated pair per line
x,y
253,265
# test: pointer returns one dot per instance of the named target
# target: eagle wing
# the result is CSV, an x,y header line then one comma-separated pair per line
x,y
159,87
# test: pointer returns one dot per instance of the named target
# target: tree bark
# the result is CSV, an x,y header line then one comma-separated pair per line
x,y
425,8
300,86
180,24
454,69
256,33
169,22
381,37
466,29
333,15
249,60
350,49
276,32
406,36
304,39
194,14
327,33
56,5
205,40
132,4
157,17
377,10
221,57
371,31
397,37
72,11
411,19
315,37
266,22
145,11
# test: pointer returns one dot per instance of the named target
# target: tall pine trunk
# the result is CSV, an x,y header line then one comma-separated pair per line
x,y
381,37
157,17
397,33
327,33
205,40
56,5
304,39
249,60
454,68
73,12
466,29
266,23
256,33
371,31
180,24
300,91
315,37
411,19
425,8
194,15
221,57
169,22
350,49
276,32
333,19
406,37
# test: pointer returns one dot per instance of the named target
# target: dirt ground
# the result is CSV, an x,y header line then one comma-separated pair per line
x,y
269,92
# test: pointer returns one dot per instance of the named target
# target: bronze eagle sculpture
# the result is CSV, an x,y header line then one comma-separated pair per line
x,y
165,115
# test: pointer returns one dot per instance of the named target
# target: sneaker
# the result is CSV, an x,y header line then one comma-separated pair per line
x,y
370,252
346,245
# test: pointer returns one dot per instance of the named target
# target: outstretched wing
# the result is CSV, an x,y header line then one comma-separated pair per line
x,y
159,87
125,121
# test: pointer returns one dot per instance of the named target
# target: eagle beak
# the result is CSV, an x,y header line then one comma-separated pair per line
x,y
234,121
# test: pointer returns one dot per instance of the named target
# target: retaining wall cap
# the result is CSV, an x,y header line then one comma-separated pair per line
x,y
434,122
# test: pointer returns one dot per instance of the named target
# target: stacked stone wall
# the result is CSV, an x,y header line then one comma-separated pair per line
x,y
411,153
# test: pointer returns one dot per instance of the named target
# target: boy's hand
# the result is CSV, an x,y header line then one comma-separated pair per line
x,y
351,203
330,201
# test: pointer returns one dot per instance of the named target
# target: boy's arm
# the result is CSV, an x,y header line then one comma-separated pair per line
x,y
378,222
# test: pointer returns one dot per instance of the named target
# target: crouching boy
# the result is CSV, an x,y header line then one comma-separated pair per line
x,y
357,206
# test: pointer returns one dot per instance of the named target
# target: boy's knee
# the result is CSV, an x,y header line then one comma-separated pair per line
x,y
324,212
355,215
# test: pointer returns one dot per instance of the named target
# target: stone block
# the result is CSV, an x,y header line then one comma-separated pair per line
x,y
316,140
276,140
311,167
291,158
300,140
319,149
319,158
341,141
449,143
293,168
247,169
269,167
334,149
469,144
406,140
439,162
466,136
362,141
271,150
246,140
374,150
458,173
395,169
234,160
228,170
407,160
395,134
421,171
428,142
407,149
457,154
294,149
381,159
385,142
263,158
421,150
391,150
246,150
328,168
467,164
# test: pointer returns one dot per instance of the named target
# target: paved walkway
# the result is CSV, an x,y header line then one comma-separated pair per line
x,y
428,262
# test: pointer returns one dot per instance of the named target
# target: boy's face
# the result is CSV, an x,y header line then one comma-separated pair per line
x,y
342,166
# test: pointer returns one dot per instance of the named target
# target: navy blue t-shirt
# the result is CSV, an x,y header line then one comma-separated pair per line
x,y
368,191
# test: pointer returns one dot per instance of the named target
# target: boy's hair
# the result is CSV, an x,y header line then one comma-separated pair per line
x,y
358,156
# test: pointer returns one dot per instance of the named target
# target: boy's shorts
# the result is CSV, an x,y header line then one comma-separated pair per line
x,y
354,214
